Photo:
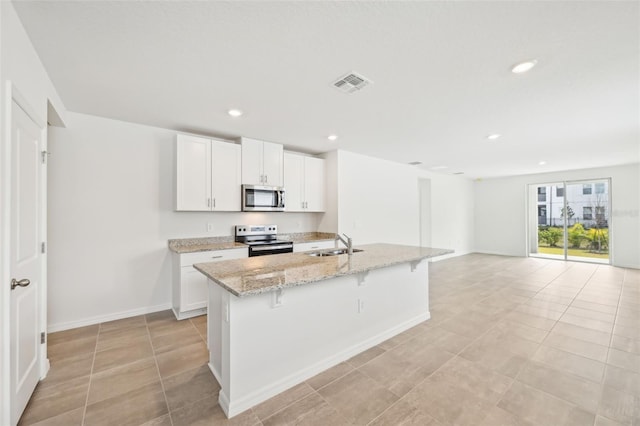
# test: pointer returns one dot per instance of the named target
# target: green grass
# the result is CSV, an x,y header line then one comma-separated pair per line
x,y
572,252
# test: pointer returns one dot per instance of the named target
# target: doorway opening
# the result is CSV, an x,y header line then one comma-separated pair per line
x,y
570,220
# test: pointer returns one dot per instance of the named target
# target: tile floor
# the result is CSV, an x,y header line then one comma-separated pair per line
x,y
512,341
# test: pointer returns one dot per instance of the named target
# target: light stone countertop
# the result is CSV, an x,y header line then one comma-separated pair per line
x,y
192,245
260,274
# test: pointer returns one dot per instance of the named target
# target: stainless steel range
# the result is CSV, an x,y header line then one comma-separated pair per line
x,y
262,240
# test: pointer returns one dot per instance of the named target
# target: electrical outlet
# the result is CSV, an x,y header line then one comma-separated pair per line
x,y
360,306
209,227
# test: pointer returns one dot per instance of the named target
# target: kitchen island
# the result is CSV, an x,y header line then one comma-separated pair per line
x,y
275,321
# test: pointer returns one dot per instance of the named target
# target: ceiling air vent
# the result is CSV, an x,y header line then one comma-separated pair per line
x,y
415,163
351,82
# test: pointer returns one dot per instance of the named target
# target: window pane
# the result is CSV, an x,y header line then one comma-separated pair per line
x,y
599,188
559,192
587,213
586,189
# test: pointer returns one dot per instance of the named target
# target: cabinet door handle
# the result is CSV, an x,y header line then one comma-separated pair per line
x,y
266,178
217,257
208,202
214,203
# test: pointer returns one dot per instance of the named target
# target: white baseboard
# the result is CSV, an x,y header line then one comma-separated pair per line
x,y
273,389
52,328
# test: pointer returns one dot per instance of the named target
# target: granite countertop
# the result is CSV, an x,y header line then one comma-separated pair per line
x,y
192,245
255,275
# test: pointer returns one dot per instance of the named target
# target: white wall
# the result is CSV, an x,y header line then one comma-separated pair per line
x,y
500,225
19,64
110,215
378,201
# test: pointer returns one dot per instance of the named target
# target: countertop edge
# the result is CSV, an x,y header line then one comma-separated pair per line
x,y
441,252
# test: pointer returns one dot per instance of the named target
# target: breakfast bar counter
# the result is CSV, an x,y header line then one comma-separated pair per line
x,y
275,321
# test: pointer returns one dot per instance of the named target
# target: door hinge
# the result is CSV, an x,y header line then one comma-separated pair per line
x,y
44,156
43,338
43,248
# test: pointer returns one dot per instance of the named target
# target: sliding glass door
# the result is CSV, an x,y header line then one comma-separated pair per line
x,y
570,220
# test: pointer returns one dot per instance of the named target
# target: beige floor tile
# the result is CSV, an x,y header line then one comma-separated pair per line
x,y
629,322
180,339
531,320
119,356
366,356
521,330
598,307
73,334
161,328
603,421
320,380
159,421
625,360
623,380
121,338
55,400
535,406
282,400
504,338
624,331
123,324
199,320
156,318
593,324
444,339
498,359
581,333
311,410
581,392
468,325
499,417
128,409
474,378
619,406
207,412
69,368
188,386
590,314
70,418
577,346
579,417
402,368
183,359
71,348
570,363
119,380
545,304
625,344
541,312
357,398
403,414
448,403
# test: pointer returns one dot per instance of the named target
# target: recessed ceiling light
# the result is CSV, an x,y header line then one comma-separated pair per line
x,y
493,136
542,163
439,168
523,66
235,112
415,163
332,137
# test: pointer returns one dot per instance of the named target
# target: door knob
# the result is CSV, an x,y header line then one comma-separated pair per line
x,y
22,283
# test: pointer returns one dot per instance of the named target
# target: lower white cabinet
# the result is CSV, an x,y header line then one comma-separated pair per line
x,y
315,245
190,293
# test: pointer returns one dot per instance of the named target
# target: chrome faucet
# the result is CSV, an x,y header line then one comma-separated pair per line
x,y
348,242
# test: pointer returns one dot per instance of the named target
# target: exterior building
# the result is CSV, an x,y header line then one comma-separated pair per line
x,y
587,203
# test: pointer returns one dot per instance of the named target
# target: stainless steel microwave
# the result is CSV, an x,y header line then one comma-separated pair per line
x,y
258,198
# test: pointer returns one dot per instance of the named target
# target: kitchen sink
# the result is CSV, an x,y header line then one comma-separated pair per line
x,y
332,252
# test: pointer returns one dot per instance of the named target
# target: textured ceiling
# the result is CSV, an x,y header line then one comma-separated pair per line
x,y
441,73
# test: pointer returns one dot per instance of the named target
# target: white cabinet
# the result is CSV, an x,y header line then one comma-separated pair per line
x,y
315,245
261,162
304,183
190,292
207,174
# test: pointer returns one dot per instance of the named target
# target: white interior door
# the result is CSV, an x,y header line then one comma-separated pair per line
x,y
25,259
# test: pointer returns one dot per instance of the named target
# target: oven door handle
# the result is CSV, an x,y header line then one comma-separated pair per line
x,y
272,247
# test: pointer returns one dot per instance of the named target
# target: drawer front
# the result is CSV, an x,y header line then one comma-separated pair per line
x,y
188,259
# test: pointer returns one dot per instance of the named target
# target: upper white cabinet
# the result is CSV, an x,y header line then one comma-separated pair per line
x,y
304,183
261,162
207,174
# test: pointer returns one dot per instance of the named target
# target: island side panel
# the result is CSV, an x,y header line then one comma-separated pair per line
x,y
270,345
215,329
